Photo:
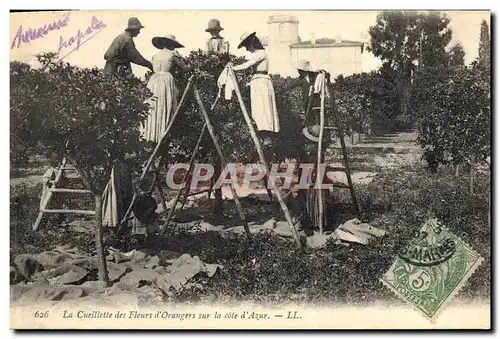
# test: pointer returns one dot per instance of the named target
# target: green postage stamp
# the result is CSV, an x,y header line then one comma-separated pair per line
x,y
432,268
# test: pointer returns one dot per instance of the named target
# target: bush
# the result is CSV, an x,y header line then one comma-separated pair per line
x,y
82,113
453,108
365,103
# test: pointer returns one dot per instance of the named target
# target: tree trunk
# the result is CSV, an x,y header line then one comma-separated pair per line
x,y
103,272
471,178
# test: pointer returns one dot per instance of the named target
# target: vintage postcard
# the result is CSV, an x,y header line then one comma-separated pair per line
x,y
250,169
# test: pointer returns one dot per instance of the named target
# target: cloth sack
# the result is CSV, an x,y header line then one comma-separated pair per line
x,y
225,81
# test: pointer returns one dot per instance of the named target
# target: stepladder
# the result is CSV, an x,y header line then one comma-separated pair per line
x,y
190,89
210,128
321,96
55,181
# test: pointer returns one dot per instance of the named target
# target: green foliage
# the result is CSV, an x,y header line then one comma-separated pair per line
x,y
453,108
457,55
435,36
484,45
226,116
82,113
365,102
395,38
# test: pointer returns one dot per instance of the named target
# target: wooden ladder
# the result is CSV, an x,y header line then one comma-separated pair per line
x,y
52,186
346,169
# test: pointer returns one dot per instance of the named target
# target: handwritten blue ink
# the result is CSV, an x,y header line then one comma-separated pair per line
x,y
81,36
37,33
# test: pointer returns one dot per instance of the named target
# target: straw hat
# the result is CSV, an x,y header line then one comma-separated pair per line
x,y
133,23
245,37
167,40
214,25
304,65
312,133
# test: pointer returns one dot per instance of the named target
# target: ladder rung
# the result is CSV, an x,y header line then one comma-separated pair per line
x,y
198,192
69,212
69,190
340,185
316,108
70,177
336,169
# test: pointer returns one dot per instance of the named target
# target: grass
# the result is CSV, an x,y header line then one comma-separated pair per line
x,y
270,269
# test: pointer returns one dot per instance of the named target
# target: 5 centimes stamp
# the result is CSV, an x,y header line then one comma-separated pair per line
x,y
432,268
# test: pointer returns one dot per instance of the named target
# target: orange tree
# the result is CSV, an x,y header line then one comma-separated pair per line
x,y
365,103
453,108
81,114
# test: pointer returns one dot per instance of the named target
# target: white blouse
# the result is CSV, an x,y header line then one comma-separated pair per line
x,y
258,59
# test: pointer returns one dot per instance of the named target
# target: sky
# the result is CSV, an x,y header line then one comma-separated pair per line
x,y
189,29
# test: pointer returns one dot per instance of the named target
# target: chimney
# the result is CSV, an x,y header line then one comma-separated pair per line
x,y
338,38
313,39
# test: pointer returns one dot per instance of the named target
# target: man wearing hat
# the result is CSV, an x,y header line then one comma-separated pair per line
x,y
122,51
216,44
307,199
305,81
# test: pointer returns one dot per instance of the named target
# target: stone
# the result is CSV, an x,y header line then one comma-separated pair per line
x,y
167,257
318,240
116,271
160,270
66,293
205,227
15,276
27,265
355,231
64,274
52,259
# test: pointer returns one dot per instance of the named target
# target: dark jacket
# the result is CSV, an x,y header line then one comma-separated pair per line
x,y
304,86
308,101
121,53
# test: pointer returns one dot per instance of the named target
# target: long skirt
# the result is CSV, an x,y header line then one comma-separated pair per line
x,y
263,103
162,105
117,195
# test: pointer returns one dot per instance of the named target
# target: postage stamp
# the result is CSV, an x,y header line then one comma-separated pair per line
x,y
432,268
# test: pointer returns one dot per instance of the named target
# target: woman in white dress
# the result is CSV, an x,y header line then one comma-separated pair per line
x,y
162,85
262,97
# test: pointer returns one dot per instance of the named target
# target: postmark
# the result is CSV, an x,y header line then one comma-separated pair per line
x,y
432,268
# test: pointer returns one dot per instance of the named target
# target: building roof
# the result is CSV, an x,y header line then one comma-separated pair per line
x,y
282,19
327,42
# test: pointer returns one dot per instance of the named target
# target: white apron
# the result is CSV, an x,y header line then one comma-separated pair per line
x,y
263,103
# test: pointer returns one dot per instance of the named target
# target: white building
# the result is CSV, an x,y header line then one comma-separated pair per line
x,y
285,48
